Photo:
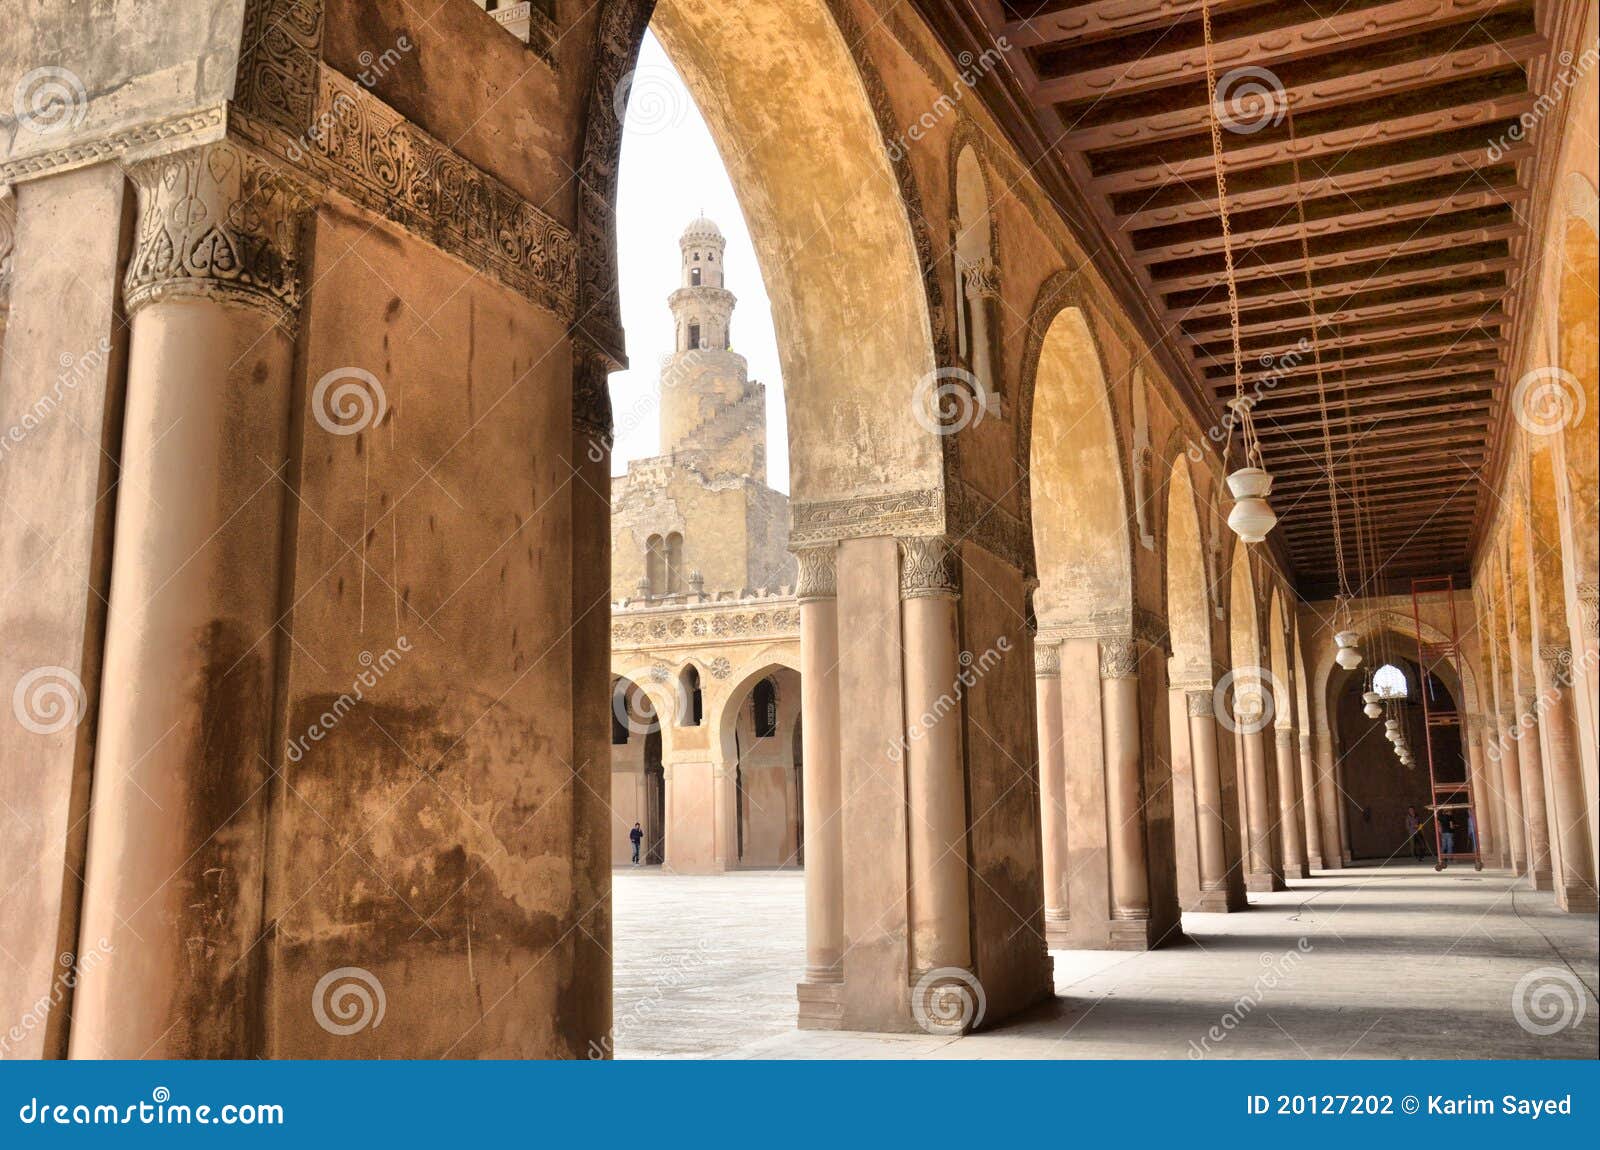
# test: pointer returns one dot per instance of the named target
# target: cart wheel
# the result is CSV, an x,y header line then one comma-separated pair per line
x,y
1439,865
1478,865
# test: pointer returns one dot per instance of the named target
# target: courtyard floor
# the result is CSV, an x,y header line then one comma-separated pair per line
x,y
1368,962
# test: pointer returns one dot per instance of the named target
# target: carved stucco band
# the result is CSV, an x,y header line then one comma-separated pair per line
x,y
8,236
1557,660
217,222
337,132
819,573
928,567
1200,704
1119,658
1047,660
591,395
919,512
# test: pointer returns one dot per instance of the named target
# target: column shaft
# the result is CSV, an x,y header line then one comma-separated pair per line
x,y
1559,731
1533,796
1052,784
1209,823
819,733
186,754
1311,805
1119,700
1291,830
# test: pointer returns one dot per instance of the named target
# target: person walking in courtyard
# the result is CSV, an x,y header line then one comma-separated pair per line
x,y
636,836
1414,834
1447,836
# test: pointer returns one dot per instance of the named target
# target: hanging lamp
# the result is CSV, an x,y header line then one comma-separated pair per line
x,y
1374,705
1251,517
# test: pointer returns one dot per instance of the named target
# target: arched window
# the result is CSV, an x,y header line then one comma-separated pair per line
x,y
694,277
694,336
674,564
1389,681
765,701
693,700
655,565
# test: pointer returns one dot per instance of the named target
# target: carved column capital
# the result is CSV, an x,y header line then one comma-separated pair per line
x,y
1589,610
1284,737
1119,658
982,279
1047,660
1556,662
819,573
928,567
1200,704
217,222
1305,745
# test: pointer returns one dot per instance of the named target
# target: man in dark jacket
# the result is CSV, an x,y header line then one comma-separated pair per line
x,y
636,836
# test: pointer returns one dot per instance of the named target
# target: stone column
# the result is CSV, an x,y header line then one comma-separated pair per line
x,y
1119,702
1558,725
1291,830
1328,799
184,765
819,733
1311,799
1504,753
935,775
1533,797
1210,832
1262,874
1485,806
981,286
1052,784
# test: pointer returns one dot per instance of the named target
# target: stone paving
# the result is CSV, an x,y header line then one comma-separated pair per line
x,y
1390,962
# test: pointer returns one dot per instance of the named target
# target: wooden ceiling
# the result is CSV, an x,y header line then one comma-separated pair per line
x,y
1414,225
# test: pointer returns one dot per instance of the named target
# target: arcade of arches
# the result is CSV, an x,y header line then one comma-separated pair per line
x,y
305,500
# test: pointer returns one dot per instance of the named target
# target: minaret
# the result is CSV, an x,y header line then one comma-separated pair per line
x,y
701,380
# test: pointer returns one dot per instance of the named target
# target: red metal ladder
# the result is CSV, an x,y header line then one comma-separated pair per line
x,y
1449,795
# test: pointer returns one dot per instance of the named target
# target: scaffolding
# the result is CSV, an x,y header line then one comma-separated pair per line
x,y
1451,795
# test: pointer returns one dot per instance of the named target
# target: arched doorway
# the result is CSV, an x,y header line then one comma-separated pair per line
x,y
757,728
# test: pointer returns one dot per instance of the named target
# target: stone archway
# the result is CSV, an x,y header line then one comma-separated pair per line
x,y
755,766
1204,791
1248,703
1110,877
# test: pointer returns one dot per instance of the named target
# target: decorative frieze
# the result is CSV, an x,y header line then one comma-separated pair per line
x,y
1047,660
217,222
1589,610
173,133
918,512
929,566
1119,658
819,574
698,627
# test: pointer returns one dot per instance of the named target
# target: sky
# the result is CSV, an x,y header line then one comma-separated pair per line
x,y
670,174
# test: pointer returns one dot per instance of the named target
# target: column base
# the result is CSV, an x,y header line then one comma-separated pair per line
x,y
1347,857
1541,880
1264,883
1576,898
1223,901
1295,870
1315,863
821,1005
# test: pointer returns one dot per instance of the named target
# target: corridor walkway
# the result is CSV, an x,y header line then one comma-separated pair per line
x,y
1371,962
